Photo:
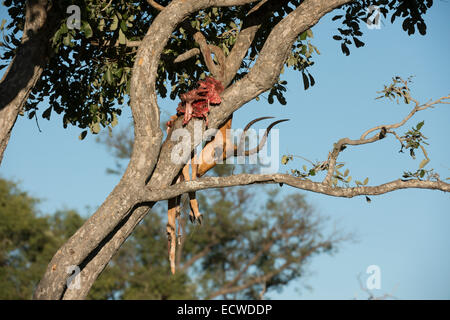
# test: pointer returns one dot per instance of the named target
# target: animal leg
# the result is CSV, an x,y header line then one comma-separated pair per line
x,y
172,212
194,214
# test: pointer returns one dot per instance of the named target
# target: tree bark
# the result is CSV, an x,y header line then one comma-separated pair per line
x,y
26,67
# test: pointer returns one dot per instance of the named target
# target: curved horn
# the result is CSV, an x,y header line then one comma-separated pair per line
x,y
263,140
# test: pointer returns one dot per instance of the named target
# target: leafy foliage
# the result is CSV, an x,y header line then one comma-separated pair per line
x,y
357,13
28,240
87,78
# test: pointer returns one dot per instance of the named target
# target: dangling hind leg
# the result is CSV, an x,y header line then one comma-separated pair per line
x,y
172,212
194,214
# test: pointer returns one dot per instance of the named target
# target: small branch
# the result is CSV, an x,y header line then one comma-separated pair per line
x,y
128,43
106,7
413,111
155,5
187,55
266,277
218,70
252,260
256,7
340,145
198,256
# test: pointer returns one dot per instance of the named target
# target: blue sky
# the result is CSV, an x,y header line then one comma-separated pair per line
x,y
403,232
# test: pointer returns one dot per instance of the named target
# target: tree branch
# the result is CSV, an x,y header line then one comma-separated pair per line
x,y
198,256
340,145
299,183
155,5
266,277
26,67
418,107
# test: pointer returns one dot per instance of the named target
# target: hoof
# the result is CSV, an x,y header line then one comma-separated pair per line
x,y
192,218
200,219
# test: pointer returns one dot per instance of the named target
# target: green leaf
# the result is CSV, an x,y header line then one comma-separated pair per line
x,y
114,24
304,168
284,159
420,125
122,37
311,80
67,39
64,29
31,114
358,43
303,36
101,25
346,172
422,173
305,81
366,180
82,135
109,76
345,49
123,25
86,28
47,113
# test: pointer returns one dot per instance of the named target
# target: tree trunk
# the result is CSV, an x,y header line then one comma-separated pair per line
x,y
26,68
94,244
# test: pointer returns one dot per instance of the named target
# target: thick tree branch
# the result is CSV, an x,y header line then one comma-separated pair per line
x,y
299,183
250,26
26,68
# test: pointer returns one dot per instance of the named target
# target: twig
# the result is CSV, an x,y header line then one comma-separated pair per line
x,y
155,5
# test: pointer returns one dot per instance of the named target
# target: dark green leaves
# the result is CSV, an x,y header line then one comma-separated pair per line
x,y
413,139
86,29
277,91
305,81
345,49
82,135
359,13
398,89
47,113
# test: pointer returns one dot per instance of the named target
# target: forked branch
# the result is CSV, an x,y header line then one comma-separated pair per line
x,y
383,129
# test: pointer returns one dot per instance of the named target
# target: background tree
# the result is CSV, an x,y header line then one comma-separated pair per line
x,y
28,240
258,38
234,255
